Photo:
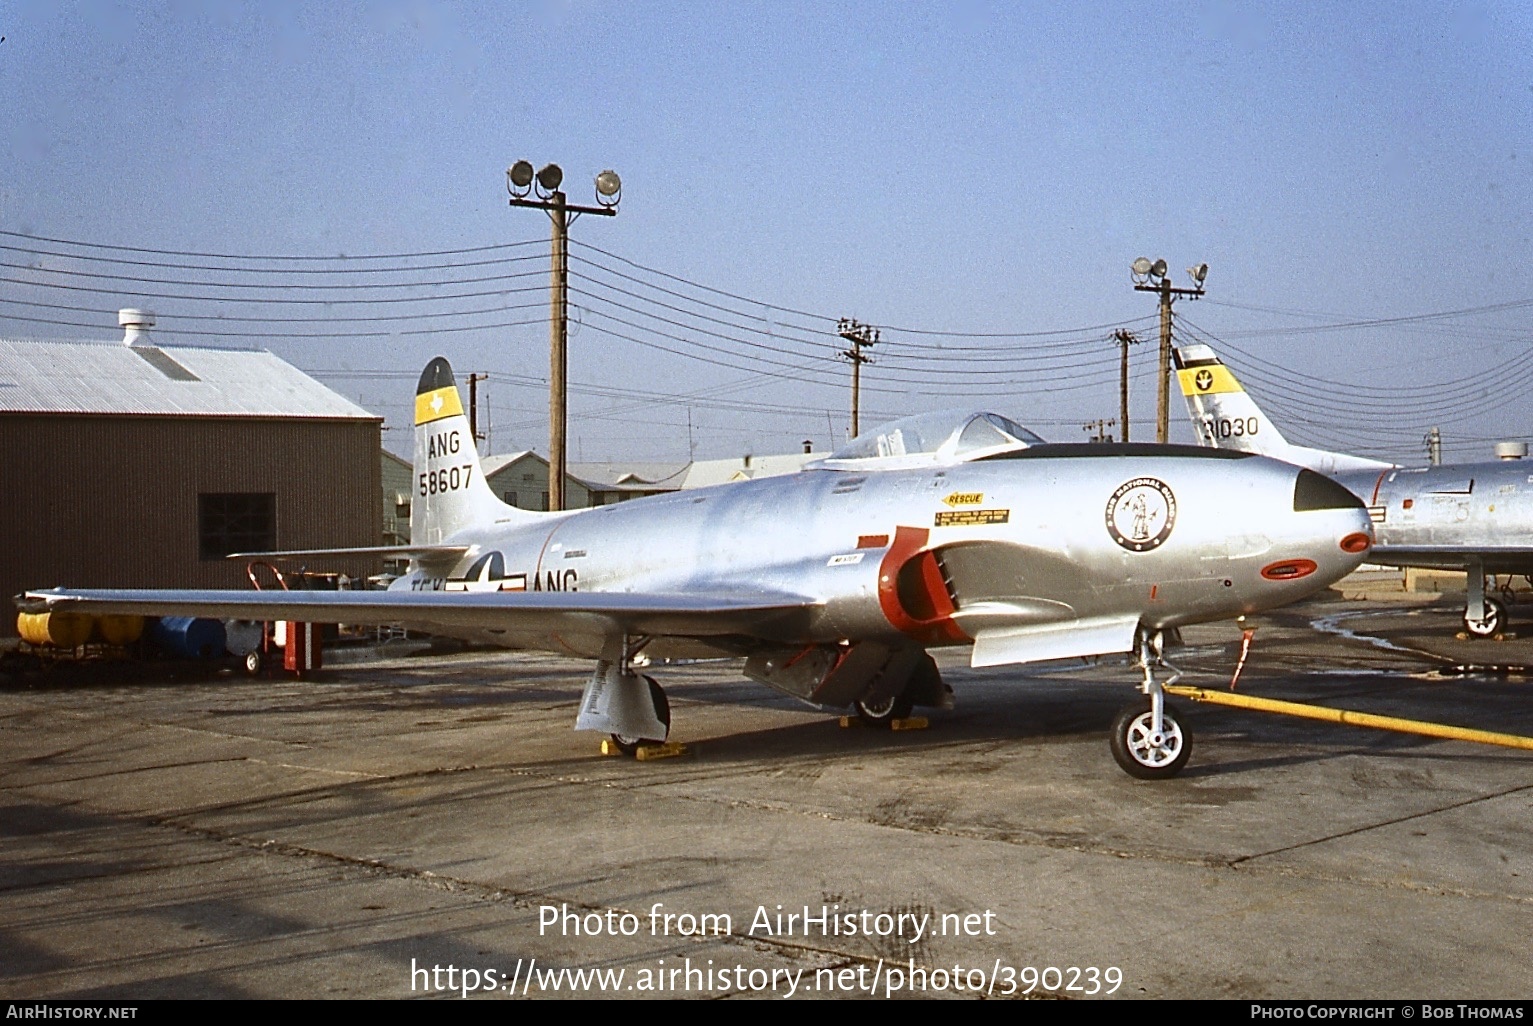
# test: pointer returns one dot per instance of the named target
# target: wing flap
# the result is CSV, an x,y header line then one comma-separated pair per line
x,y
1098,635
1505,559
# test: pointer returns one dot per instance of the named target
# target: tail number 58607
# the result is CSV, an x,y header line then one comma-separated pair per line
x,y
448,479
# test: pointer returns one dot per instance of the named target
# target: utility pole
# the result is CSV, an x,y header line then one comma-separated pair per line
x,y
609,189
1434,442
1150,276
1124,338
1099,426
860,336
473,408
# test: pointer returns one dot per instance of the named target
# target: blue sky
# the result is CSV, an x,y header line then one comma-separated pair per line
x,y
968,168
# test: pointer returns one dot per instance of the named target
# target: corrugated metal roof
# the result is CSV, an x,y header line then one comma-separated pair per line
x,y
649,476
492,465
96,377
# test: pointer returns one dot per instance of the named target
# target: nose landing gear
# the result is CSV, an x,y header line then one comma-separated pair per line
x,y
1147,741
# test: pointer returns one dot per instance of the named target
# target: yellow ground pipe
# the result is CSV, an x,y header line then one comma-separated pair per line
x,y
1356,719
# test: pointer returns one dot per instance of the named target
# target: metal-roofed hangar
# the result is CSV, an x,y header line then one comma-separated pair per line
x,y
132,465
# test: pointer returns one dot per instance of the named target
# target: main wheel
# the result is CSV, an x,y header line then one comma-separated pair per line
x,y
630,745
1143,755
253,662
1490,626
883,712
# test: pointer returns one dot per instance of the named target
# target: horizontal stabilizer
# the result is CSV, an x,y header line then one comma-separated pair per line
x,y
1099,635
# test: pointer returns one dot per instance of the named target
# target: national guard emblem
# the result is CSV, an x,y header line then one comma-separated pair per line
x,y
1141,513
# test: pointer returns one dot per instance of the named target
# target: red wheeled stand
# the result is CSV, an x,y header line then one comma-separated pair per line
x,y
301,646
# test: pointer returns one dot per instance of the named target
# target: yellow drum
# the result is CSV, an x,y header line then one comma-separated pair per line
x,y
60,630
120,628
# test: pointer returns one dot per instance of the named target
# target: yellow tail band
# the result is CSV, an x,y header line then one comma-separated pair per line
x,y
437,404
1207,380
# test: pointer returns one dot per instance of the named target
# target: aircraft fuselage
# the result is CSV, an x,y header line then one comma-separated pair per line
x,y
934,555
1450,516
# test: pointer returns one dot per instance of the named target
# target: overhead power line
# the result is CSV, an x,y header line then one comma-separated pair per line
x,y
825,317
89,258
340,257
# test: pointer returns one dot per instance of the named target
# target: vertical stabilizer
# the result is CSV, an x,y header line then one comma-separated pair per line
x,y
450,490
1224,416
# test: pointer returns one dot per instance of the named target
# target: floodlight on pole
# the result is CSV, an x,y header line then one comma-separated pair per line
x,y
549,179
520,180
609,188
1150,276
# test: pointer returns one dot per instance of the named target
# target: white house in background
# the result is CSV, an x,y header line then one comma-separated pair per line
x,y
703,473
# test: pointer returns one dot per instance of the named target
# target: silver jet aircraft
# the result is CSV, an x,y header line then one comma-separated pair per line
x,y
1475,517
832,583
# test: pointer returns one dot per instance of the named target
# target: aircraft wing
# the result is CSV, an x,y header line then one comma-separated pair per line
x,y
764,615
438,553
1502,559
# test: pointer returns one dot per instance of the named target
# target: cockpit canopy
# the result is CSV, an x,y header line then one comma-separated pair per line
x,y
930,439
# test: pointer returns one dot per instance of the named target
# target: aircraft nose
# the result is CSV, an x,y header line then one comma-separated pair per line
x,y
1335,529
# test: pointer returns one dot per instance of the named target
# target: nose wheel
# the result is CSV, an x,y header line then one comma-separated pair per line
x,y
1144,751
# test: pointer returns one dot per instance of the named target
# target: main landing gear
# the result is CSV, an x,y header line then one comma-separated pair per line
x,y
1484,617
630,745
1147,741
1488,625
899,687
630,707
882,712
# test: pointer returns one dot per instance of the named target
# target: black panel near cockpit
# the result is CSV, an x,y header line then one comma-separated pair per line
x,y
1315,491
1102,450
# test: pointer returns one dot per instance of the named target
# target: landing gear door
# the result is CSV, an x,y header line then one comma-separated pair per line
x,y
826,675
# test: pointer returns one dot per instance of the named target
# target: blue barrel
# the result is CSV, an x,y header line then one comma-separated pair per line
x,y
189,637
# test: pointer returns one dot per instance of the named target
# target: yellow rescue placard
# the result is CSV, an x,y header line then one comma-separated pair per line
x,y
964,498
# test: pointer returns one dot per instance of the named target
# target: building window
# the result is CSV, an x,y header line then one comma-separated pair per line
x,y
236,522
510,498
527,477
545,502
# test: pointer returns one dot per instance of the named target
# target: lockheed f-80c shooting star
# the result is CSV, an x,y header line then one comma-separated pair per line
x,y
832,583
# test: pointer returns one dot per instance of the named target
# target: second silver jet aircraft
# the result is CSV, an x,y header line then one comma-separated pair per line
x,y
1475,517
